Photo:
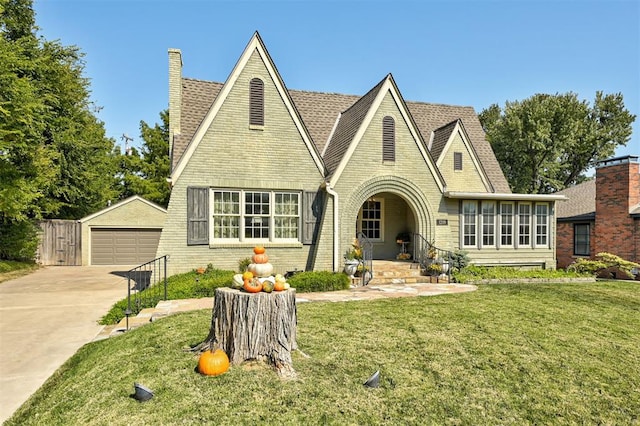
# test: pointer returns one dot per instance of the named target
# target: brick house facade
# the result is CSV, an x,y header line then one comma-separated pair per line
x,y
601,215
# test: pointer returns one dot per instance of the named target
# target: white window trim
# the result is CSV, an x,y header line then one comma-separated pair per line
x,y
534,231
517,241
359,221
482,223
500,224
241,238
462,221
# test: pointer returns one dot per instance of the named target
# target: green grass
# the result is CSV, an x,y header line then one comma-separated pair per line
x,y
10,269
505,354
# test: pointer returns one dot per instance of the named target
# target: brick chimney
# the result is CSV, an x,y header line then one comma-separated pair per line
x,y
617,193
175,99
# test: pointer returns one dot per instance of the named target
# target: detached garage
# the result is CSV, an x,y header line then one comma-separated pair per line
x,y
126,233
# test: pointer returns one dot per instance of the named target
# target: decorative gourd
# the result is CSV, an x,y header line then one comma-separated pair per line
x,y
260,258
258,249
268,286
213,363
260,269
238,281
279,285
252,286
247,275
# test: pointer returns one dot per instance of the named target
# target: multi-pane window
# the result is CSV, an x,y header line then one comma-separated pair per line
x,y
287,211
542,224
488,223
581,239
370,222
246,215
469,223
388,139
524,224
506,224
226,215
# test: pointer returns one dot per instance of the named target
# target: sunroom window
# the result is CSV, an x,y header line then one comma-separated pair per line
x,y
542,224
524,224
506,224
488,223
469,223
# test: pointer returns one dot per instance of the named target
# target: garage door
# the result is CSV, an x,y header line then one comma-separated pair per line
x,y
123,246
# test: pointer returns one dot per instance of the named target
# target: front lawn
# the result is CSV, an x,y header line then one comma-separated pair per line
x,y
505,354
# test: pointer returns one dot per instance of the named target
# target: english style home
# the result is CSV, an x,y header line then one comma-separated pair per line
x,y
303,173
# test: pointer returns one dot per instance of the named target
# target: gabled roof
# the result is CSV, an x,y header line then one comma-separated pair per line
x,y
319,113
439,139
254,45
121,204
581,203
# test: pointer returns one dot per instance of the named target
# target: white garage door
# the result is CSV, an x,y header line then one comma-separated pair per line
x,y
123,246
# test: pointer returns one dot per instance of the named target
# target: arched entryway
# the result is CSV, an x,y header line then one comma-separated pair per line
x,y
385,209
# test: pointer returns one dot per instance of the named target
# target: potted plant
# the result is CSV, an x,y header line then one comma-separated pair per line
x,y
352,258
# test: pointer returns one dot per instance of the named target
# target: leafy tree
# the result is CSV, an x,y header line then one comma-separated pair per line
x,y
146,175
547,142
55,160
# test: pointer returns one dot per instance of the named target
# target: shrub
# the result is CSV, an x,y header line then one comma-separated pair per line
x,y
604,262
305,282
18,240
458,260
474,273
243,264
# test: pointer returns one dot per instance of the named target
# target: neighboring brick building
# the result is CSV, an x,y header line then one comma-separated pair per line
x,y
601,215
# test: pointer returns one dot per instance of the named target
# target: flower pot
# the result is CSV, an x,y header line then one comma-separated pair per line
x,y
351,266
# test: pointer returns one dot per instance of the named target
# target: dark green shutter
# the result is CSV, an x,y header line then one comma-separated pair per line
x,y
388,139
197,216
313,206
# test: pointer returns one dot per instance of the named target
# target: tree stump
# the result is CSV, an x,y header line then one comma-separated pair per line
x,y
255,326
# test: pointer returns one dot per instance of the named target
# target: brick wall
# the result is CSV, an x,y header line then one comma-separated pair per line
x,y
617,189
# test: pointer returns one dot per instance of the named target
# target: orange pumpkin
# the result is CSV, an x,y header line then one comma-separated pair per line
x,y
258,249
213,363
252,286
260,258
247,275
279,286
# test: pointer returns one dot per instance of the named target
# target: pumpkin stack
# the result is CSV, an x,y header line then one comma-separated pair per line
x,y
260,267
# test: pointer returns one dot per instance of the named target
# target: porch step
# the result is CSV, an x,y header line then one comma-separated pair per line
x,y
399,272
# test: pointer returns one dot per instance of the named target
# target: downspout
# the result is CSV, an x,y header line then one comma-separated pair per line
x,y
336,234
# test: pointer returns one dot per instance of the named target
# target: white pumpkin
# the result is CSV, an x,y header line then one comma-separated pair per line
x,y
261,269
238,282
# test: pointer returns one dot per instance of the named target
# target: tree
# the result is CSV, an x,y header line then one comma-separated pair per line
x,y
548,142
147,175
55,160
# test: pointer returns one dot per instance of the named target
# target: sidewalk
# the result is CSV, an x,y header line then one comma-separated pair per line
x,y
371,292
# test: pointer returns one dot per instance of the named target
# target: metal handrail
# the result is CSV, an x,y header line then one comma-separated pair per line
x,y
149,285
367,257
432,260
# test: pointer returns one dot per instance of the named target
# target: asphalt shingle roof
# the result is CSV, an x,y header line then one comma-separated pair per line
x,y
440,138
319,112
581,201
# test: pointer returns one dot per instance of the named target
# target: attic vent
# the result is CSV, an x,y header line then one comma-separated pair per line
x,y
256,102
457,161
388,139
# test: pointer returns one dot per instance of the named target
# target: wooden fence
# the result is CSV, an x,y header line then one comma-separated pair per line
x,y
60,243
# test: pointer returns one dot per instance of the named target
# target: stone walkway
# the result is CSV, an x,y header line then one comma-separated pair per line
x,y
370,292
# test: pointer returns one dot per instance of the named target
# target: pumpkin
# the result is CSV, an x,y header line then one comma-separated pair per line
x,y
213,363
259,250
248,275
238,281
260,269
279,285
260,258
252,286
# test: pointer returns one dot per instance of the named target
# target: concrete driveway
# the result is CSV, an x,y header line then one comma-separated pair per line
x,y
45,317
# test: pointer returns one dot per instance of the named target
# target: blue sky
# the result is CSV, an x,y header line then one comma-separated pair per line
x,y
453,52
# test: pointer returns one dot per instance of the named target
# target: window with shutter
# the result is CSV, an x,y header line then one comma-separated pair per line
x,y
256,102
197,216
388,139
457,161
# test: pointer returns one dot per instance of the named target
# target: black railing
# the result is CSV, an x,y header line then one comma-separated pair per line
x,y
146,286
432,260
366,263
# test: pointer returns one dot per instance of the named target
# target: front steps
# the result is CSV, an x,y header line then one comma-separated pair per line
x,y
401,272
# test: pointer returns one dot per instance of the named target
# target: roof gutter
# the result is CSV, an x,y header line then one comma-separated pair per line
x,y
336,234
503,196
